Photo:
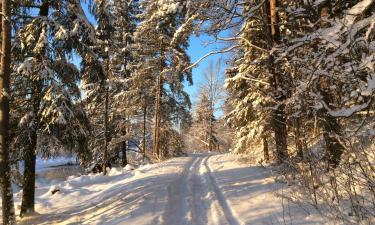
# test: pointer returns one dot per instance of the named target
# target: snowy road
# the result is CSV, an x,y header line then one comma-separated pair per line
x,y
197,190
199,198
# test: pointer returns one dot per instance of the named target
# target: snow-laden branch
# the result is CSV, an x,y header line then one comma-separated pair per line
x,y
211,53
347,112
248,78
182,29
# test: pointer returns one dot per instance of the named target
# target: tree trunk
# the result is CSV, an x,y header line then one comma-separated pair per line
x,y
266,153
278,114
144,129
297,137
28,191
210,144
5,178
124,160
156,142
280,131
211,113
106,133
124,145
155,146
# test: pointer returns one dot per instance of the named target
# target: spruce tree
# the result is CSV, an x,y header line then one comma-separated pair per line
x,y
50,118
162,46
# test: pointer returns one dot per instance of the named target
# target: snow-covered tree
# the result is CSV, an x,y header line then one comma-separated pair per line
x,y
161,47
45,99
249,80
211,96
96,82
107,78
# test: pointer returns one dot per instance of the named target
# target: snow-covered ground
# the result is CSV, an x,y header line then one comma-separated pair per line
x,y
199,189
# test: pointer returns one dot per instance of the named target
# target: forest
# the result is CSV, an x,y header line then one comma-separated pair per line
x,y
104,83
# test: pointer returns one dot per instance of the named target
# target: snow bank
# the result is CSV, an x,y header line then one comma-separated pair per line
x,y
255,196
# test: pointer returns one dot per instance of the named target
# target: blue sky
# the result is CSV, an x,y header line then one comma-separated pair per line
x,y
200,46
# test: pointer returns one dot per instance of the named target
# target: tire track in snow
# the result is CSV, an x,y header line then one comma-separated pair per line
x,y
177,210
194,195
198,192
223,204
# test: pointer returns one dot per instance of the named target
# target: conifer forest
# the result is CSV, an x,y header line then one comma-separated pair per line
x,y
187,112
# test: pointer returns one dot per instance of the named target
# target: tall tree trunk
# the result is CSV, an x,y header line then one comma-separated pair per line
x,y
298,138
124,160
124,146
156,141
5,178
210,141
144,129
278,114
266,153
106,131
106,118
28,191
331,128
211,115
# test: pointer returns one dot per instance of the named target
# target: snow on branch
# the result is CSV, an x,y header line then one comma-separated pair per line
x,y
182,29
211,53
347,112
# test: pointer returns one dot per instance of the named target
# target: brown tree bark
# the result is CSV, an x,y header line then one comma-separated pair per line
x,y
211,113
124,159
5,178
156,141
159,87
106,130
298,137
144,128
278,115
266,153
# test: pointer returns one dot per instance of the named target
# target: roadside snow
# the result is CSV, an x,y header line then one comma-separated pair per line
x,y
200,189
253,194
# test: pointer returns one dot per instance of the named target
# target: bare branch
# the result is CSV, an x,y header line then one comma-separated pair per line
x,y
211,53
